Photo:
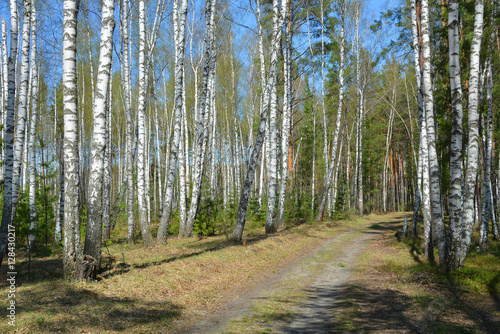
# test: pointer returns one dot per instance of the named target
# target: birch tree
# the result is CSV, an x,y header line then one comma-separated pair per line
x,y
201,131
141,143
272,161
359,124
32,134
71,245
417,52
286,118
456,172
487,204
325,128
259,139
108,166
313,181
21,105
436,205
127,97
93,236
334,157
473,145
174,147
9,131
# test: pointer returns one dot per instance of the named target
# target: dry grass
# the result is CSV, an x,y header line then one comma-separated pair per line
x,y
162,289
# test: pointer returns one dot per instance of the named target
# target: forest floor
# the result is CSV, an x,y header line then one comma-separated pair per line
x,y
331,277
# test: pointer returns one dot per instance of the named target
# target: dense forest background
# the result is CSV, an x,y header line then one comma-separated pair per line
x,y
190,118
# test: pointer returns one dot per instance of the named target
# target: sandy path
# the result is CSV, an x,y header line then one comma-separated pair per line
x,y
315,315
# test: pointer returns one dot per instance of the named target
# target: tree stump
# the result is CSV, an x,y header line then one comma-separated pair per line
x,y
86,268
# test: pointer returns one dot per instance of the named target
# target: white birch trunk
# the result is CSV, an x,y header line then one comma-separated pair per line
x,y
325,128
272,163
426,194
5,70
93,236
32,134
182,149
141,142
473,147
487,203
261,177
213,180
313,179
334,156
4,91
263,89
272,176
436,205
201,131
71,222
19,139
336,170
359,182
245,193
416,61
286,118
182,182
126,84
106,200
174,149
359,126
456,158
159,159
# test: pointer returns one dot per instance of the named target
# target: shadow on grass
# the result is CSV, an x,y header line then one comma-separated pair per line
x,y
353,309
341,309
390,225
465,284
40,269
77,307
493,289
472,307
415,248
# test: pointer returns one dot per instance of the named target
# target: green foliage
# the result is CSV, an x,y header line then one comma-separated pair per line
x,y
297,207
341,202
45,203
207,220
257,215
22,218
45,213
229,217
174,226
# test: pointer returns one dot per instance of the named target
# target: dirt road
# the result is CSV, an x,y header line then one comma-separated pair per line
x,y
323,274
